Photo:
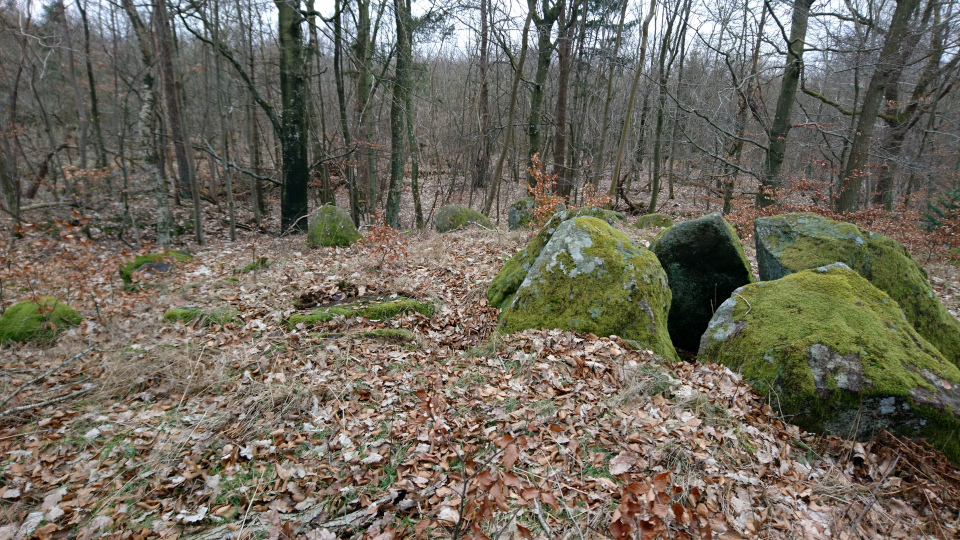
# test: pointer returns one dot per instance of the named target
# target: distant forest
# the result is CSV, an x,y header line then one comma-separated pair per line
x,y
844,106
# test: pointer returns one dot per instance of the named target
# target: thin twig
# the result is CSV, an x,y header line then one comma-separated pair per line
x,y
749,307
44,374
873,496
47,402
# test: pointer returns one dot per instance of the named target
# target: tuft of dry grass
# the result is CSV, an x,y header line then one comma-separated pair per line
x,y
163,371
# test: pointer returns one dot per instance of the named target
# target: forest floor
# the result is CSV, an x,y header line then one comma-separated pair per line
x,y
257,430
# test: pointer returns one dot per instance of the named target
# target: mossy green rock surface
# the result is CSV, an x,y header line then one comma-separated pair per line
x,y
203,316
704,262
508,280
157,260
794,242
25,322
373,311
453,217
839,357
591,278
520,214
331,226
653,220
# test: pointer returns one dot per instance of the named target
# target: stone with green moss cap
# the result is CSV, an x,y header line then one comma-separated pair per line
x,y
508,280
452,217
793,242
653,220
520,213
591,278
704,262
838,356
331,226
158,262
37,321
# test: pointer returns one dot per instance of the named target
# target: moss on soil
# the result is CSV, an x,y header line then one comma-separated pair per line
x,y
810,241
835,322
205,317
127,269
598,282
24,322
259,264
503,287
375,311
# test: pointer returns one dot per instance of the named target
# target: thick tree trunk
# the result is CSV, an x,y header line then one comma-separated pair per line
x,y
854,170
224,147
783,118
564,45
481,169
293,131
397,117
352,187
83,125
147,121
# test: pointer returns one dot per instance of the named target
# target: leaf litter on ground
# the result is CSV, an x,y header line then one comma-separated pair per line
x,y
250,429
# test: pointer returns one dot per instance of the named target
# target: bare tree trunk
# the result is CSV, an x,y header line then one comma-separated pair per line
x,y
224,147
77,94
494,188
293,134
352,187
545,45
186,179
397,117
481,168
854,171
91,82
605,126
628,116
564,45
147,119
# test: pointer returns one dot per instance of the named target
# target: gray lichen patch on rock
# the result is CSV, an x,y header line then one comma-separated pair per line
x,y
825,343
591,278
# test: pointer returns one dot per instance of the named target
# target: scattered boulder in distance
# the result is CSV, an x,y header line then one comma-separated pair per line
x,y
793,242
453,217
704,262
23,321
835,352
331,226
590,277
653,220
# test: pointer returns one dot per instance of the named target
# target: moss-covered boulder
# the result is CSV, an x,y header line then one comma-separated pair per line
x,y
591,278
795,242
704,262
520,214
373,311
37,321
154,262
653,220
452,217
838,356
508,280
204,317
331,226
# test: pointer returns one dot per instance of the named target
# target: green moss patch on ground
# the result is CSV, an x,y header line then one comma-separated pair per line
x,y
37,321
372,311
591,278
823,341
260,264
203,316
795,242
128,268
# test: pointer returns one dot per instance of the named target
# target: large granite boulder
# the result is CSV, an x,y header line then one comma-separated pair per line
x,y
838,356
704,262
506,283
331,226
520,213
794,242
37,321
452,217
591,278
